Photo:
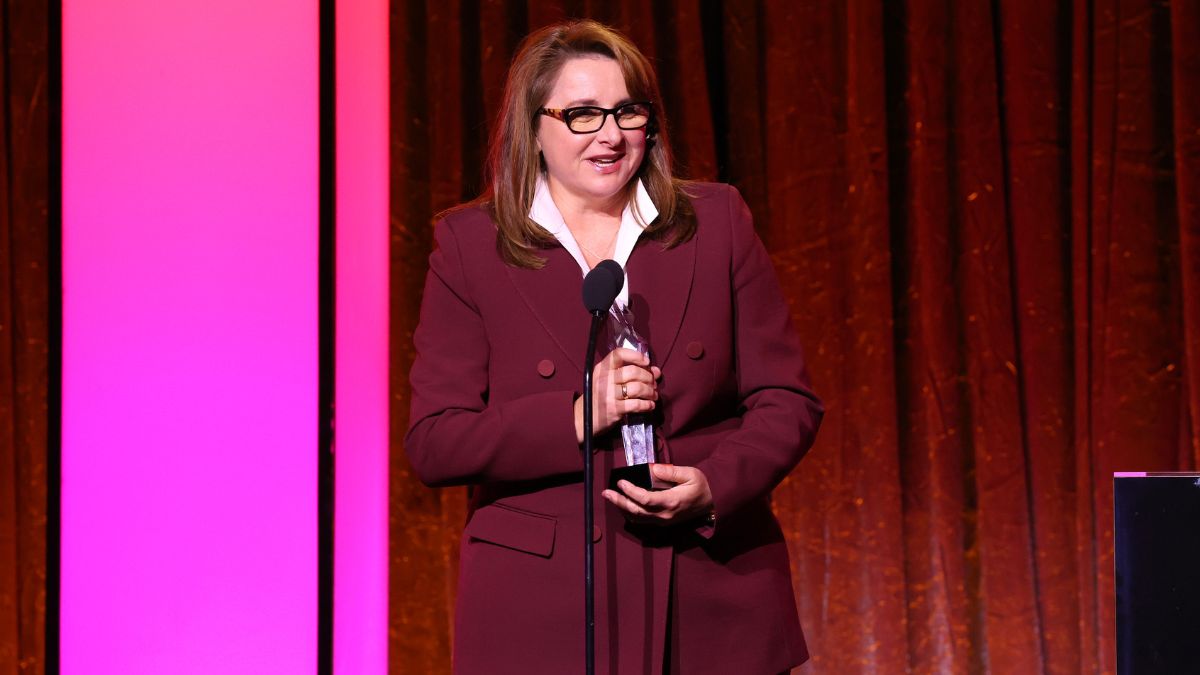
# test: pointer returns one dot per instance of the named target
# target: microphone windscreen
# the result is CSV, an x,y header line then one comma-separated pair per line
x,y
618,274
601,286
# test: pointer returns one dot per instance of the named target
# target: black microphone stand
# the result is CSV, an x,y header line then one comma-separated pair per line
x,y
589,555
600,288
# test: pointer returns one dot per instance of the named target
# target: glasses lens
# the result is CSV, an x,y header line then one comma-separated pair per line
x,y
633,116
585,119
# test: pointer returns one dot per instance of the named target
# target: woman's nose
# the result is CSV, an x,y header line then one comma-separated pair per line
x,y
609,131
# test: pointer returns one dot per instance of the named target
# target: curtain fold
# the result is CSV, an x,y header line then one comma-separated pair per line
x,y
1185,74
24,335
986,217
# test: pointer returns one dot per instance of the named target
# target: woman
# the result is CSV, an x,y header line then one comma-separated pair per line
x,y
691,579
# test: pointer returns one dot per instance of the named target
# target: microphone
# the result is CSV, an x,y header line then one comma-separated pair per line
x,y
601,286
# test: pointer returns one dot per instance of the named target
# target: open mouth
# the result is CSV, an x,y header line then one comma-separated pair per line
x,y
602,163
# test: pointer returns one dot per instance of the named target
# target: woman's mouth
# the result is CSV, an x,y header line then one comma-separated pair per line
x,y
605,164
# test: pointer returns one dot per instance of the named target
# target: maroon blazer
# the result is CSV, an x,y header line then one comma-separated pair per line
x,y
499,363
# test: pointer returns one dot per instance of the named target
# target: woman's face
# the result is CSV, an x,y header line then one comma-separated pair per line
x,y
591,168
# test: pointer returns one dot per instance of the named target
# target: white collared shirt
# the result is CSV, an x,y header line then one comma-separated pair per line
x,y
545,212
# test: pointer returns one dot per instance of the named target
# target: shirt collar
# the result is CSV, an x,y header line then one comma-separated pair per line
x,y
544,211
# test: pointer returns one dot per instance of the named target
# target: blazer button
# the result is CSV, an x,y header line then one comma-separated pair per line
x,y
545,368
596,533
695,349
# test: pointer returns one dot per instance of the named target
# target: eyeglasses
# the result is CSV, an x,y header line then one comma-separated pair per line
x,y
588,119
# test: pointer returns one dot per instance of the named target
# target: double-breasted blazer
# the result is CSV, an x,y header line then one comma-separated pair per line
x,y
499,363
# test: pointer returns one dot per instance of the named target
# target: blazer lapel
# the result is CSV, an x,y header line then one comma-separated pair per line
x,y
660,285
554,294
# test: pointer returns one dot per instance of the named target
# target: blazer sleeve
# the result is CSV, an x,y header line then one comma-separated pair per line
x,y
780,412
455,435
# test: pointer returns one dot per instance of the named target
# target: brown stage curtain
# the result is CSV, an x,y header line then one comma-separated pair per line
x,y
24,331
987,218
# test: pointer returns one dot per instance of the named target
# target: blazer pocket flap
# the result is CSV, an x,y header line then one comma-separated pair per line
x,y
520,530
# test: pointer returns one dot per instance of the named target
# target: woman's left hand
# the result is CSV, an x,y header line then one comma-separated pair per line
x,y
689,499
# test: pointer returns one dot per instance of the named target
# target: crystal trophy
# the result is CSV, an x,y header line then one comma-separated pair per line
x,y
637,429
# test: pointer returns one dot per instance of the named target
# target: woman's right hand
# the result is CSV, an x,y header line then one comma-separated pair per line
x,y
623,382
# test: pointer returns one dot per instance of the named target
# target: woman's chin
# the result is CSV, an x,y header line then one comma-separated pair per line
x,y
598,190
607,186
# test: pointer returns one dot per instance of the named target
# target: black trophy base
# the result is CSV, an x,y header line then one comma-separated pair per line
x,y
638,474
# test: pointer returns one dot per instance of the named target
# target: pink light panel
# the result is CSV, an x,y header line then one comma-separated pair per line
x,y
189,447
361,526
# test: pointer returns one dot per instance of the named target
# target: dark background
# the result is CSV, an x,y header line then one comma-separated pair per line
x,y
27,276
1158,588
986,216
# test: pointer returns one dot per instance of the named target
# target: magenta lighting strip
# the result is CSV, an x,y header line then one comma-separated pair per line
x,y
361,525
224,273
190,337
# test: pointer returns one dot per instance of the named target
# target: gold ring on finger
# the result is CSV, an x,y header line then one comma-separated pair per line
x,y
624,392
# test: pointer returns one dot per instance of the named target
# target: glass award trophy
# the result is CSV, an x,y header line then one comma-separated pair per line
x,y
637,430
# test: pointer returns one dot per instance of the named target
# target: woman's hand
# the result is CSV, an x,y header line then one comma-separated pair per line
x,y
690,498
622,382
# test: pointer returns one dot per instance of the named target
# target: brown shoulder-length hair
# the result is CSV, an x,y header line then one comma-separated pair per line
x,y
514,161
